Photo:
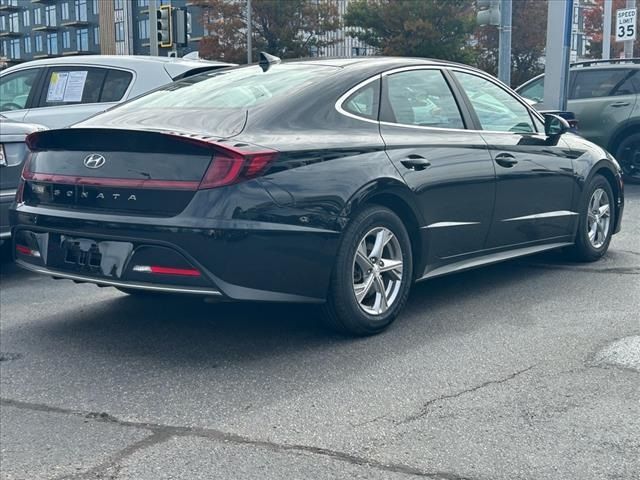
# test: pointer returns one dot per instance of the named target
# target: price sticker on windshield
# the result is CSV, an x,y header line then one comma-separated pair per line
x,y
626,24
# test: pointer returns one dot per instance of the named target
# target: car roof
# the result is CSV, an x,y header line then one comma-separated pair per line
x,y
373,61
131,62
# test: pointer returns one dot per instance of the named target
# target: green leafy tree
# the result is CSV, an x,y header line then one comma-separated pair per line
x,y
285,28
528,40
417,28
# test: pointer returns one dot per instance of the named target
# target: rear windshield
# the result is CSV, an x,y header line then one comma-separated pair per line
x,y
233,89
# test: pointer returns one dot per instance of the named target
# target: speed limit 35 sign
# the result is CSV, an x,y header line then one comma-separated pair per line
x,y
626,24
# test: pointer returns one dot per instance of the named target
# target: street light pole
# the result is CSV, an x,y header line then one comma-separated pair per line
x,y
556,71
606,30
249,33
628,45
504,46
153,28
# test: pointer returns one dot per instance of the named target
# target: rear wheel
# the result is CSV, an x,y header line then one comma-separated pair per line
x,y
628,156
372,274
595,225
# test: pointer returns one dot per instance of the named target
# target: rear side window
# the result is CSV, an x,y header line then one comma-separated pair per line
x,y
604,83
364,102
115,85
73,85
421,98
534,91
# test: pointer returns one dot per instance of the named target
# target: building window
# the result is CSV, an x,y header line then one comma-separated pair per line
x,y
143,28
120,32
66,39
143,3
15,48
96,35
3,52
95,7
3,22
14,23
27,45
37,16
26,19
52,44
82,39
81,10
50,15
38,43
65,11
118,4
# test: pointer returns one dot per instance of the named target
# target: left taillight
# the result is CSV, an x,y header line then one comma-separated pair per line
x,y
230,165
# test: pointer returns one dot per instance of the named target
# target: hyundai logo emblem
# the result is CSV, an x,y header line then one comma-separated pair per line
x,y
94,160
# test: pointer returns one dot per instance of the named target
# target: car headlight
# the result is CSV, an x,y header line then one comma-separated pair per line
x,y
3,157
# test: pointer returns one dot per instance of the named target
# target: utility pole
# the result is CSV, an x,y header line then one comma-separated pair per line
x,y
249,33
606,30
153,28
504,46
628,45
558,50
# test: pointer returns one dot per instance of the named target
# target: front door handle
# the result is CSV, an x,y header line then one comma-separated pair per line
x,y
416,162
620,104
506,160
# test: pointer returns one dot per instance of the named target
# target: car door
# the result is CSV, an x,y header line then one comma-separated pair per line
x,y
447,166
534,173
602,99
18,89
71,94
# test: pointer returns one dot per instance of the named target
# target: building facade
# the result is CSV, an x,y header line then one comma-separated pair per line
x,y
31,29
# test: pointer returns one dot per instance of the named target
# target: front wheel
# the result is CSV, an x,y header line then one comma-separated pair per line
x,y
628,156
596,221
372,274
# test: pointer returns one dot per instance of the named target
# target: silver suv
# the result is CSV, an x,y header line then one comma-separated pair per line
x,y
603,95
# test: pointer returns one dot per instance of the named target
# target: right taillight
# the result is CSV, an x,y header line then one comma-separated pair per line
x,y
232,165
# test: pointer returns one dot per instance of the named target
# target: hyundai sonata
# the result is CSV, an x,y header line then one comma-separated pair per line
x,y
338,182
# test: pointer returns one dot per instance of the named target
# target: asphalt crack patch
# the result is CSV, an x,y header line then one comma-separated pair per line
x,y
160,433
424,410
609,270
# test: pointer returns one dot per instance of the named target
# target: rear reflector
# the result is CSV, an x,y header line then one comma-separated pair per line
x,y
27,251
157,270
112,182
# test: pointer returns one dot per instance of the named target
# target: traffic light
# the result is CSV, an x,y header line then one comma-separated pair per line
x,y
165,33
183,27
488,12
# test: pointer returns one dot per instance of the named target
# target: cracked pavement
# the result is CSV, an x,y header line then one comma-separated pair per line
x,y
507,372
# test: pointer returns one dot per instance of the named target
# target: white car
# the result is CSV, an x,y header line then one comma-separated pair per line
x,y
61,91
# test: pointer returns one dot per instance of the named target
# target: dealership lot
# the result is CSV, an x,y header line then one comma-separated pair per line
x,y
523,370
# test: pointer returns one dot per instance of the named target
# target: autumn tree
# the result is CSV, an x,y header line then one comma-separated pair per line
x,y
417,28
285,28
528,40
593,22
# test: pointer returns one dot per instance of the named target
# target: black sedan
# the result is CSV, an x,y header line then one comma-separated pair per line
x,y
338,182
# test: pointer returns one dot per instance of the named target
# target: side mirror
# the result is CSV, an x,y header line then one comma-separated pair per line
x,y
554,125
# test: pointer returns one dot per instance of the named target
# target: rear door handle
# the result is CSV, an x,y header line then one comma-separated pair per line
x,y
620,104
506,160
416,162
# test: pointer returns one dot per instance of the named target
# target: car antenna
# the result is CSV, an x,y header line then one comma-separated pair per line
x,y
267,60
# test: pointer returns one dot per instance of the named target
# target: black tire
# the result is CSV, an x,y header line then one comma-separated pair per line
x,y
584,250
628,156
343,312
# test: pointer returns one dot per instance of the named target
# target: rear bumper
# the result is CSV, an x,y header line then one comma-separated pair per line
x,y
6,199
236,260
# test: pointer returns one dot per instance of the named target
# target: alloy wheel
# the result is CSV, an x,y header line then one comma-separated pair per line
x,y
377,271
598,218
630,160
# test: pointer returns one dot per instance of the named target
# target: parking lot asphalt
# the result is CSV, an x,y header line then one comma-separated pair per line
x,y
524,370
